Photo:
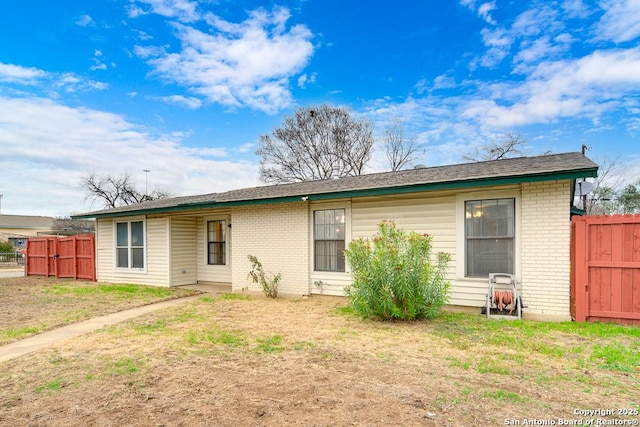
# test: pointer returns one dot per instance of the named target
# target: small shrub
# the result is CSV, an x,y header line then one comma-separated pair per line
x,y
6,248
268,281
394,276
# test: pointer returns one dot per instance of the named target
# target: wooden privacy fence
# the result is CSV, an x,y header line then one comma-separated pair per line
x,y
72,256
605,268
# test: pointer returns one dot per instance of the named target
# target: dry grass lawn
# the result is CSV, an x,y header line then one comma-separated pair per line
x,y
237,360
31,305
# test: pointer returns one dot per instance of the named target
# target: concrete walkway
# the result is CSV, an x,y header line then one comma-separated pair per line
x,y
11,272
40,341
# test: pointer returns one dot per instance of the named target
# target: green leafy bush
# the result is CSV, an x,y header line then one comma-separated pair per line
x,y
6,248
268,281
394,276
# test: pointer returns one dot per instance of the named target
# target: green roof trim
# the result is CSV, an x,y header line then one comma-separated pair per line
x,y
382,191
577,211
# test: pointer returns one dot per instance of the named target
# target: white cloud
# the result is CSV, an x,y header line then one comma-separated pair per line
x,y
182,10
51,82
246,148
134,11
48,146
10,73
620,22
444,81
535,29
305,79
98,61
237,64
575,9
85,21
69,82
532,52
535,51
484,11
95,85
498,41
208,152
578,95
584,88
181,100
535,21
141,35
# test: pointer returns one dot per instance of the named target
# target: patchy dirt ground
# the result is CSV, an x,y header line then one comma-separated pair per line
x,y
235,360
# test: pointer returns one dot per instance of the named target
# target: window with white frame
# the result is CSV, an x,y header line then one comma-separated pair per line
x,y
489,236
329,239
216,242
130,244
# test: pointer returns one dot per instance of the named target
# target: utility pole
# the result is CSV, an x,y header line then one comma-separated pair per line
x,y
0,203
146,181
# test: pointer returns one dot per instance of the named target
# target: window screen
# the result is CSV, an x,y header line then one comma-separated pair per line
x,y
489,233
329,239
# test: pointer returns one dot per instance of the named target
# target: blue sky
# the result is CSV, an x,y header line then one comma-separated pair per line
x,y
184,88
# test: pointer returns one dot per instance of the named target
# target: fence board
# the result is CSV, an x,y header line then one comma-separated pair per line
x,y
37,262
72,256
636,291
605,277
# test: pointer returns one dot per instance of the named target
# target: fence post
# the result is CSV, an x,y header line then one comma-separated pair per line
x,y
47,260
54,241
75,257
580,265
26,260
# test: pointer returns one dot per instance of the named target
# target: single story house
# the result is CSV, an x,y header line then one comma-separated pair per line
x,y
18,228
508,216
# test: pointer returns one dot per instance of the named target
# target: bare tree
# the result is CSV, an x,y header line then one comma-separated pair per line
x,y
66,226
399,149
317,142
510,145
610,180
117,190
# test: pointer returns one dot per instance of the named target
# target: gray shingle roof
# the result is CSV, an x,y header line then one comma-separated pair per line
x,y
480,173
26,221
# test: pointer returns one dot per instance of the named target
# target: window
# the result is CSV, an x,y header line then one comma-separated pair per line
x,y
328,236
216,242
489,235
130,244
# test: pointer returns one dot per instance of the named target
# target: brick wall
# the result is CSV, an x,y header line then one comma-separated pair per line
x,y
546,264
278,235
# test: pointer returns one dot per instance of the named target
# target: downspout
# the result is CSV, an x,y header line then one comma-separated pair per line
x,y
305,200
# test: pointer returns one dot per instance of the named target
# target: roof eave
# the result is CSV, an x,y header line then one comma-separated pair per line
x,y
382,191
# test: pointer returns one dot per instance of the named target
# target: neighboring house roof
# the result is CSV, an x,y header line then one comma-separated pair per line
x,y
26,221
494,172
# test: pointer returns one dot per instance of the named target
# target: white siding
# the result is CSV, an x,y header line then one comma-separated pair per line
x,y
214,273
157,254
278,236
104,249
184,269
433,213
158,244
